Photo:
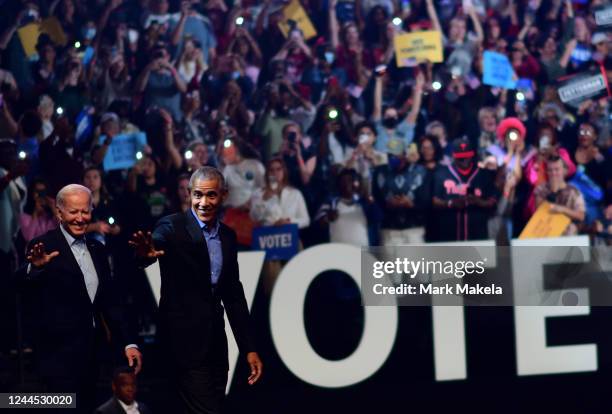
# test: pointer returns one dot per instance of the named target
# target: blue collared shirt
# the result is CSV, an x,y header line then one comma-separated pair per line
x,y
213,242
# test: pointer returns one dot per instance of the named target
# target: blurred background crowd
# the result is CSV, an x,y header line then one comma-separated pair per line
x,y
323,130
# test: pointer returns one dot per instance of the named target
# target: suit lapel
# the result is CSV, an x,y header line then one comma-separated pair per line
x,y
97,260
225,249
201,250
70,261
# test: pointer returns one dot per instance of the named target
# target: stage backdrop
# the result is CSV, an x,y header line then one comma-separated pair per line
x,y
325,352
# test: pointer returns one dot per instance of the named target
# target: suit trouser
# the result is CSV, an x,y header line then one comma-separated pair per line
x,y
202,389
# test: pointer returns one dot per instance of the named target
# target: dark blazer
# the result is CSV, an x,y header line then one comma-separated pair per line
x,y
112,406
191,314
63,315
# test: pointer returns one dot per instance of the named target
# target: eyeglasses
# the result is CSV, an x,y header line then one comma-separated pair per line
x,y
585,132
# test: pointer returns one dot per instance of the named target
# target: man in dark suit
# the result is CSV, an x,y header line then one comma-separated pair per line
x,y
123,400
199,270
76,304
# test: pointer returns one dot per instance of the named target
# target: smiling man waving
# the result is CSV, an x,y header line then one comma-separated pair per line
x,y
199,271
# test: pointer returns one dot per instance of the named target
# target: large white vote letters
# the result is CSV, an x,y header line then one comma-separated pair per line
x,y
381,322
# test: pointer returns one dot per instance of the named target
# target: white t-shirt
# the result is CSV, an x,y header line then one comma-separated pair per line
x,y
351,226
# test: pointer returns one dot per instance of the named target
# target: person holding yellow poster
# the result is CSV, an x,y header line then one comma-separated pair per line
x,y
564,198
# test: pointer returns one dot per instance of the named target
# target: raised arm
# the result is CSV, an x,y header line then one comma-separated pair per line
x,y
433,16
417,99
476,22
333,24
377,111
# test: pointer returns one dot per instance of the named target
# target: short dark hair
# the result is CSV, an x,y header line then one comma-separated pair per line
x,y
121,371
366,124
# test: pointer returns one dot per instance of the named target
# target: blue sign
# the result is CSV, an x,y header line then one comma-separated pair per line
x,y
84,125
122,151
498,71
279,242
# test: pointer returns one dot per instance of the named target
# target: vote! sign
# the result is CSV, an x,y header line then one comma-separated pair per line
x,y
279,242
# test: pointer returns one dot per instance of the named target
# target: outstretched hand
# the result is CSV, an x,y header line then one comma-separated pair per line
x,y
143,245
38,257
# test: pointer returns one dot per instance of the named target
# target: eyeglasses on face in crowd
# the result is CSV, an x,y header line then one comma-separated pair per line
x,y
586,132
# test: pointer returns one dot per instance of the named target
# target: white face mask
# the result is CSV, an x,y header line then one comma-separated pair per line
x,y
273,183
544,142
364,138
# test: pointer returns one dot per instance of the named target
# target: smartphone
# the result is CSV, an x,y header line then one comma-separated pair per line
x,y
380,70
133,35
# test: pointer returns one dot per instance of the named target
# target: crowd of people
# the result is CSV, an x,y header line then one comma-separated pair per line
x,y
325,132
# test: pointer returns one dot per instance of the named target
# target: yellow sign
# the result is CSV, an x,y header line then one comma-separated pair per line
x,y
544,224
28,35
294,11
53,28
415,47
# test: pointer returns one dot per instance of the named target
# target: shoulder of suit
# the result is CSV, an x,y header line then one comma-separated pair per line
x,y
50,237
171,219
107,407
227,229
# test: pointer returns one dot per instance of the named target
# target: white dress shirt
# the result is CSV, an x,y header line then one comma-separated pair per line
x,y
289,205
83,258
129,409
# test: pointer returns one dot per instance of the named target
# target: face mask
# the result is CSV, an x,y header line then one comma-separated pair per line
x,y
235,75
389,122
273,183
544,142
363,138
329,57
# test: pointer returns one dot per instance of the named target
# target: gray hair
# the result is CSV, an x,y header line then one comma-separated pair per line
x,y
60,198
207,173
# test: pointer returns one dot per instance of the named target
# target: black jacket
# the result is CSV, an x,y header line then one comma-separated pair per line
x,y
191,314
112,406
66,339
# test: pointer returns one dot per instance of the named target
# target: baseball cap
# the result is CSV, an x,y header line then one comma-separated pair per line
x,y
462,148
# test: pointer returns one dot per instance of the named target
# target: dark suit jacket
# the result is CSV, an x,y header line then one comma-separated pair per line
x,y
191,314
112,406
65,337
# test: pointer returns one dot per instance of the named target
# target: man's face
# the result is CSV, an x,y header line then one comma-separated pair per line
x,y
207,196
124,388
75,214
555,171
